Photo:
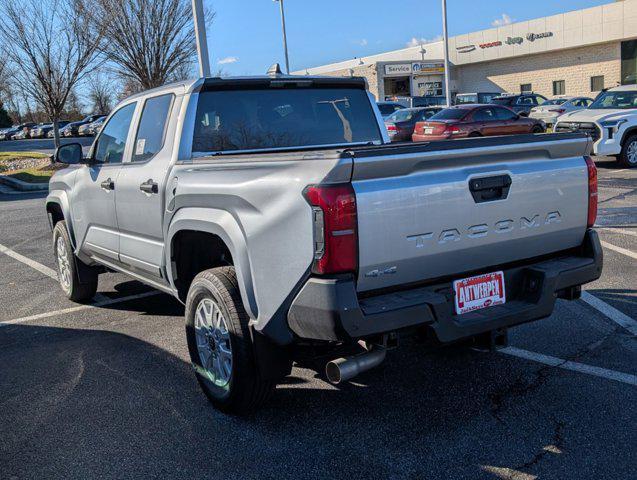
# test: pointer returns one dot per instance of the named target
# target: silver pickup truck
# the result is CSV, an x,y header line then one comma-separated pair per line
x,y
276,209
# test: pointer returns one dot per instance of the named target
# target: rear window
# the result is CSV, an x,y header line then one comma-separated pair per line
x,y
387,108
403,115
450,114
466,98
556,101
272,119
503,100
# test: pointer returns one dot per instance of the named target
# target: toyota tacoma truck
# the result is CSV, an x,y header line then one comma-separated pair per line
x,y
277,210
611,122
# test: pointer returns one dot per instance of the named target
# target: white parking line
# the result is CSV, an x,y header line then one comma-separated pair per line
x,y
611,312
620,231
623,251
573,366
49,272
103,303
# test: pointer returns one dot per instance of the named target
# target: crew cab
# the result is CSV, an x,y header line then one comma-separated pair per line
x,y
611,122
277,210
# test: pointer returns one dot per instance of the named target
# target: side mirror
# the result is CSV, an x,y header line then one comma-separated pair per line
x,y
70,154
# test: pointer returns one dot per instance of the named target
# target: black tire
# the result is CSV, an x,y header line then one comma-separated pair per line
x,y
629,147
475,134
245,390
537,129
74,290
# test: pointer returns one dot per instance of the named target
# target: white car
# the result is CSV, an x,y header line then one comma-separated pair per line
x,y
550,110
611,121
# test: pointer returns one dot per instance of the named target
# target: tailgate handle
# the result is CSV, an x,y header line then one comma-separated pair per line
x,y
488,189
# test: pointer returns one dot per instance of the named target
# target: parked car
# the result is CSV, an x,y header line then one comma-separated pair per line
x,y
554,107
4,131
21,134
471,120
400,124
18,129
521,103
311,236
610,121
387,108
420,101
479,97
91,129
72,129
40,131
61,125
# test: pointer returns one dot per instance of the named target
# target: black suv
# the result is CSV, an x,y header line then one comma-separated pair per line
x,y
521,103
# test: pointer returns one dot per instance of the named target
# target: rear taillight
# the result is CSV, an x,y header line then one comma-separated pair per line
x,y
391,127
335,228
592,191
452,129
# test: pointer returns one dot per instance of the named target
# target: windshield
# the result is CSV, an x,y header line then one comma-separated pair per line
x,y
616,100
403,115
283,118
450,114
466,98
387,108
503,100
556,101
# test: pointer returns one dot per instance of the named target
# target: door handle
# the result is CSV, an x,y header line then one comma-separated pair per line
x,y
108,184
487,189
149,187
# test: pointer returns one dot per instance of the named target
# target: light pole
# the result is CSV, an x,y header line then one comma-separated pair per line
x,y
285,38
202,42
446,50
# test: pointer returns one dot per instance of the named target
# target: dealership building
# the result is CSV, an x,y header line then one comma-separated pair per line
x,y
573,53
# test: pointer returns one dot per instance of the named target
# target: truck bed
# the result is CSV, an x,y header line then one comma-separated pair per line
x,y
444,208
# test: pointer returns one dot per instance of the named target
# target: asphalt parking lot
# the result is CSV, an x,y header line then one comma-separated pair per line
x,y
44,145
106,391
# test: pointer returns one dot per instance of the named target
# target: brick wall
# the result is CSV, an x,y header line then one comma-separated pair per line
x,y
368,71
575,67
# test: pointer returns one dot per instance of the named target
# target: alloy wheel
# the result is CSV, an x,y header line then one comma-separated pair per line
x,y
213,342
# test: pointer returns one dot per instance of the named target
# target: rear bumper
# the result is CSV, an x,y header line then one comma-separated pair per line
x,y
330,309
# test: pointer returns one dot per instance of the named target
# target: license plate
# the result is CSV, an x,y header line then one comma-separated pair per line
x,y
479,292
429,130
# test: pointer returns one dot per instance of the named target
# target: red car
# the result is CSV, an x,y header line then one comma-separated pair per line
x,y
475,120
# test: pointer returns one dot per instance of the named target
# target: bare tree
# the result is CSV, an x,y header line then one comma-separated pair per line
x,y
150,42
51,50
100,94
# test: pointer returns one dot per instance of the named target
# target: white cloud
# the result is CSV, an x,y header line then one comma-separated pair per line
x,y
362,42
414,42
225,61
504,20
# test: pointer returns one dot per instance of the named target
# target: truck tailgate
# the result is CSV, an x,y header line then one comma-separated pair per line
x,y
447,208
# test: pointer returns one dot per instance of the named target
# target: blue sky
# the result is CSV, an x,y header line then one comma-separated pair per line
x,y
245,36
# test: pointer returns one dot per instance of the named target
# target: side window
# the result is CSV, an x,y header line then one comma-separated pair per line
x,y
539,100
151,132
505,114
112,140
484,115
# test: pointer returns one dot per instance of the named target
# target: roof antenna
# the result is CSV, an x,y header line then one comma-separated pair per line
x,y
274,70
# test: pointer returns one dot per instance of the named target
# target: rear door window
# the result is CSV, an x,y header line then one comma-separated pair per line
x,y
151,132
269,118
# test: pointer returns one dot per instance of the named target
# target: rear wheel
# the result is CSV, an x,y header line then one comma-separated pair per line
x,y
537,129
220,344
475,134
67,267
628,156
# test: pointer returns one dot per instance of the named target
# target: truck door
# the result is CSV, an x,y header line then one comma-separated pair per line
x,y
93,205
141,187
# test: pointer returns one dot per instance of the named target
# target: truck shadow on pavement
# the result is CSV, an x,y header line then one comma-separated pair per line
x,y
74,402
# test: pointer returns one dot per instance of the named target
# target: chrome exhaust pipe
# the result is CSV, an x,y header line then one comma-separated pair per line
x,y
344,369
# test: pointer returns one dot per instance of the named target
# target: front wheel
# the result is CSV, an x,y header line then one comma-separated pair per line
x,y
537,129
67,267
628,156
220,344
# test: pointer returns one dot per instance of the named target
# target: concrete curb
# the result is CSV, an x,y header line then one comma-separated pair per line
x,y
23,186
